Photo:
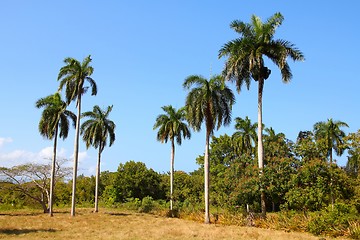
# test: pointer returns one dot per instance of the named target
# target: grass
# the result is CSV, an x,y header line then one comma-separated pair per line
x,y
122,224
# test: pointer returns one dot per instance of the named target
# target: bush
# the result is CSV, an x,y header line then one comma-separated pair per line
x,y
332,221
147,205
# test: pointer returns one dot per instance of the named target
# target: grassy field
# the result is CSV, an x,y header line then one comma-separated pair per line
x,y
116,224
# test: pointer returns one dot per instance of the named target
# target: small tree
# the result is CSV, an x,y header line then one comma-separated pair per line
x,y
33,180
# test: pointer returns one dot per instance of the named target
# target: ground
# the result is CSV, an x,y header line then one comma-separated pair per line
x,y
118,224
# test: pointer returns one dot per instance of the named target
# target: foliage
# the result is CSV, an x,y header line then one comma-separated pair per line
x,y
353,145
332,220
147,205
135,180
32,181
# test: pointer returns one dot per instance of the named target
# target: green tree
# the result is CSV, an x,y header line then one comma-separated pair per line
x,y
72,76
54,117
135,180
333,136
172,126
210,102
307,149
353,162
95,132
245,137
246,61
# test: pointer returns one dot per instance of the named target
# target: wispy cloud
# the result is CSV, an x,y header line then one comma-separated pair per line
x,y
5,140
18,157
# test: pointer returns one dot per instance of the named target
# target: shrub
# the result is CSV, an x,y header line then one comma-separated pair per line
x,y
147,205
333,221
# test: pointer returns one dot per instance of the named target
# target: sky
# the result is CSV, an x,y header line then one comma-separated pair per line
x,y
143,50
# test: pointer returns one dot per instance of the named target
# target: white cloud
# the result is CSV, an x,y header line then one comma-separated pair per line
x,y
5,140
18,157
86,166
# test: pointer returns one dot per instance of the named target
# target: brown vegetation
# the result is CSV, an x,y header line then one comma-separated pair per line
x,y
116,224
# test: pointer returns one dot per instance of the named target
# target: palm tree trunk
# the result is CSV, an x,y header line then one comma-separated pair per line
x,y
260,148
331,180
76,154
172,173
97,180
207,180
52,180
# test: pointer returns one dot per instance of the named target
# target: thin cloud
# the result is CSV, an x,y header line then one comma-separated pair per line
x,y
19,157
5,140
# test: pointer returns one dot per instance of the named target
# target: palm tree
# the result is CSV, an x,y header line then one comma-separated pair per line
x,y
246,61
332,134
72,76
210,102
245,136
172,126
95,132
54,118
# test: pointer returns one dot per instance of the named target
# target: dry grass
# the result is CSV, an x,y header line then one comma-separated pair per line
x,y
116,224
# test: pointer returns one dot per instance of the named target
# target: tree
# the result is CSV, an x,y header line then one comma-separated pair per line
x,y
54,116
32,180
353,162
95,132
135,180
330,133
246,61
245,136
333,136
72,76
172,126
210,102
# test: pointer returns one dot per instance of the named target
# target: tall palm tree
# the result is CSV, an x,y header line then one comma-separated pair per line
x,y
245,136
95,132
72,76
246,61
210,102
54,117
331,132
172,126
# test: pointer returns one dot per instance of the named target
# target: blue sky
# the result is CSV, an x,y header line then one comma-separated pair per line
x,y
143,50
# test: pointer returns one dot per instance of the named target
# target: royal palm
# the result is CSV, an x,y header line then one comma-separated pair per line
x,y
73,76
208,101
54,117
246,61
172,127
331,133
95,131
245,137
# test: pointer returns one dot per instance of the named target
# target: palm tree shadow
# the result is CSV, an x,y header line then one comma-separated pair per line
x,y
20,214
24,231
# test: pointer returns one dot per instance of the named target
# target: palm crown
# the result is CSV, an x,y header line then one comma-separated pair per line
x,y
98,127
246,52
171,125
54,115
208,100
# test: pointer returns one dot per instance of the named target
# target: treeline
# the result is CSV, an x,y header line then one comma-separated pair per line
x,y
297,176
